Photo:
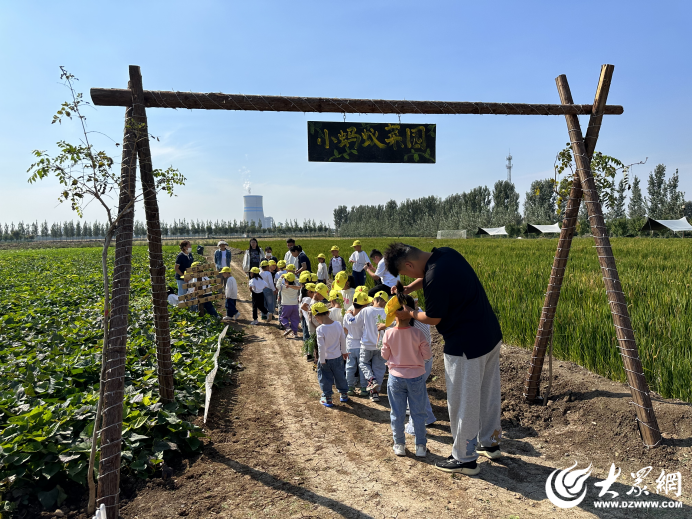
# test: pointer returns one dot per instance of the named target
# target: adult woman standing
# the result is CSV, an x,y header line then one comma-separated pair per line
x,y
253,256
183,261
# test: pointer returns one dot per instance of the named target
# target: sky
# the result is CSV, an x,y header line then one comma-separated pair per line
x,y
443,51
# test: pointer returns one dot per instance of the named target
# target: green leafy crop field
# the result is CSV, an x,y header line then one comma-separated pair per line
x,y
51,308
655,273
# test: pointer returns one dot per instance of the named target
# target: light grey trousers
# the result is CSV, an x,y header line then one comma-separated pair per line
x,y
474,402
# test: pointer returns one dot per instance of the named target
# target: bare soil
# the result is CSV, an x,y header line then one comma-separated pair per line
x,y
273,451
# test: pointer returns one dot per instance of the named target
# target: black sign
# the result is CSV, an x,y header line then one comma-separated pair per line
x,y
371,142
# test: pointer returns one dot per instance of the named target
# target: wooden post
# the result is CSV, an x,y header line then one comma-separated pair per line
x,y
640,392
114,386
560,261
157,268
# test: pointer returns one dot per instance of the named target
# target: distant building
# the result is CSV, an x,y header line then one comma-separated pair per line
x,y
253,211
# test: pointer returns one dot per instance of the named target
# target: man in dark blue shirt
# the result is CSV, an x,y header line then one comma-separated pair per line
x,y
457,305
303,263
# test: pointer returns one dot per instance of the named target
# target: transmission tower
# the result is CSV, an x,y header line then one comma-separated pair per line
x,y
509,166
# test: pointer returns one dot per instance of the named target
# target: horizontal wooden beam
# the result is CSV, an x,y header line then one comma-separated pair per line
x,y
216,101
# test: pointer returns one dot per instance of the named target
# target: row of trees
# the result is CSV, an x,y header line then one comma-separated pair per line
x,y
482,207
86,230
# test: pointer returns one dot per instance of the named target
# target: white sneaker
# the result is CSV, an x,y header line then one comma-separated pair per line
x,y
237,316
399,450
420,450
254,322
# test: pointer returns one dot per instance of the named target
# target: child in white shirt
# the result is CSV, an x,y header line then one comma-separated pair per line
x,y
336,301
371,362
257,286
306,297
231,293
332,353
269,291
322,269
353,340
290,293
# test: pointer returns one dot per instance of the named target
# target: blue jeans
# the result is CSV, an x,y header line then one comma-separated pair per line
x,y
352,367
430,418
181,291
332,373
399,391
359,277
231,310
269,299
372,365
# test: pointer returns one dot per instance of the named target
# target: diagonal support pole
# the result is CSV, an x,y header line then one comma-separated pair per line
x,y
560,261
640,393
157,268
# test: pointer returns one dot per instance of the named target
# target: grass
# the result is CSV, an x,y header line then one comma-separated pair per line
x,y
655,274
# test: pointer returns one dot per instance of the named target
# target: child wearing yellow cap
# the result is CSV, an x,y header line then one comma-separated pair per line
x,y
406,349
289,289
281,271
307,290
322,269
359,260
353,339
269,291
371,362
337,263
336,301
332,353
257,286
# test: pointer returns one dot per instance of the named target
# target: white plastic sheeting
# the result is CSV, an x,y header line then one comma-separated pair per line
x,y
539,228
209,380
452,233
672,225
495,231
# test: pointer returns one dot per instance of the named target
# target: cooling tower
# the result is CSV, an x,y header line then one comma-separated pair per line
x,y
252,209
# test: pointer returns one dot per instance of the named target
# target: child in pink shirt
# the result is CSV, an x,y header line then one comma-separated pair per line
x,y
405,348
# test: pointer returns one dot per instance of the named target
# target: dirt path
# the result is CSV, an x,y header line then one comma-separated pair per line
x,y
274,451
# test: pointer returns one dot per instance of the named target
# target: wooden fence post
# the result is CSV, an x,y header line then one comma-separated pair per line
x,y
639,390
560,261
114,386
157,268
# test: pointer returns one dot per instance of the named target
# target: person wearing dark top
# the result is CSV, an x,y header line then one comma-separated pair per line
x,y
456,303
269,255
183,261
303,263
255,254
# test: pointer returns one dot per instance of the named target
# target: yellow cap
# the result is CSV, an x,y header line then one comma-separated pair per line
x,y
322,290
313,277
281,264
255,270
289,276
391,307
383,295
356,243
321,256
361,289
362,298
305,277
195,264
264,263
319,308
225,270
310,287
272,262
290,267
334,248
335,295
340,280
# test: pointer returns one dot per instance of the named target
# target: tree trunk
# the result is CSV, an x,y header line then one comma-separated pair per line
x,y
649,430
114,387
560,261
157,268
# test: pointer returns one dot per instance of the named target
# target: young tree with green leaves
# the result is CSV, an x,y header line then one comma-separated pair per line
x,y
86,175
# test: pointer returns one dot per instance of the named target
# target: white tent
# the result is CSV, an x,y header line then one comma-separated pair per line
x,y
538,228
492,231
672,225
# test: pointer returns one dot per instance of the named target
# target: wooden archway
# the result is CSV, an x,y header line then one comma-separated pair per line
x,y
136,146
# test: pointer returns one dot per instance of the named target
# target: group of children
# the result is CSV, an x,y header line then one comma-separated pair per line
x,y
350,337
